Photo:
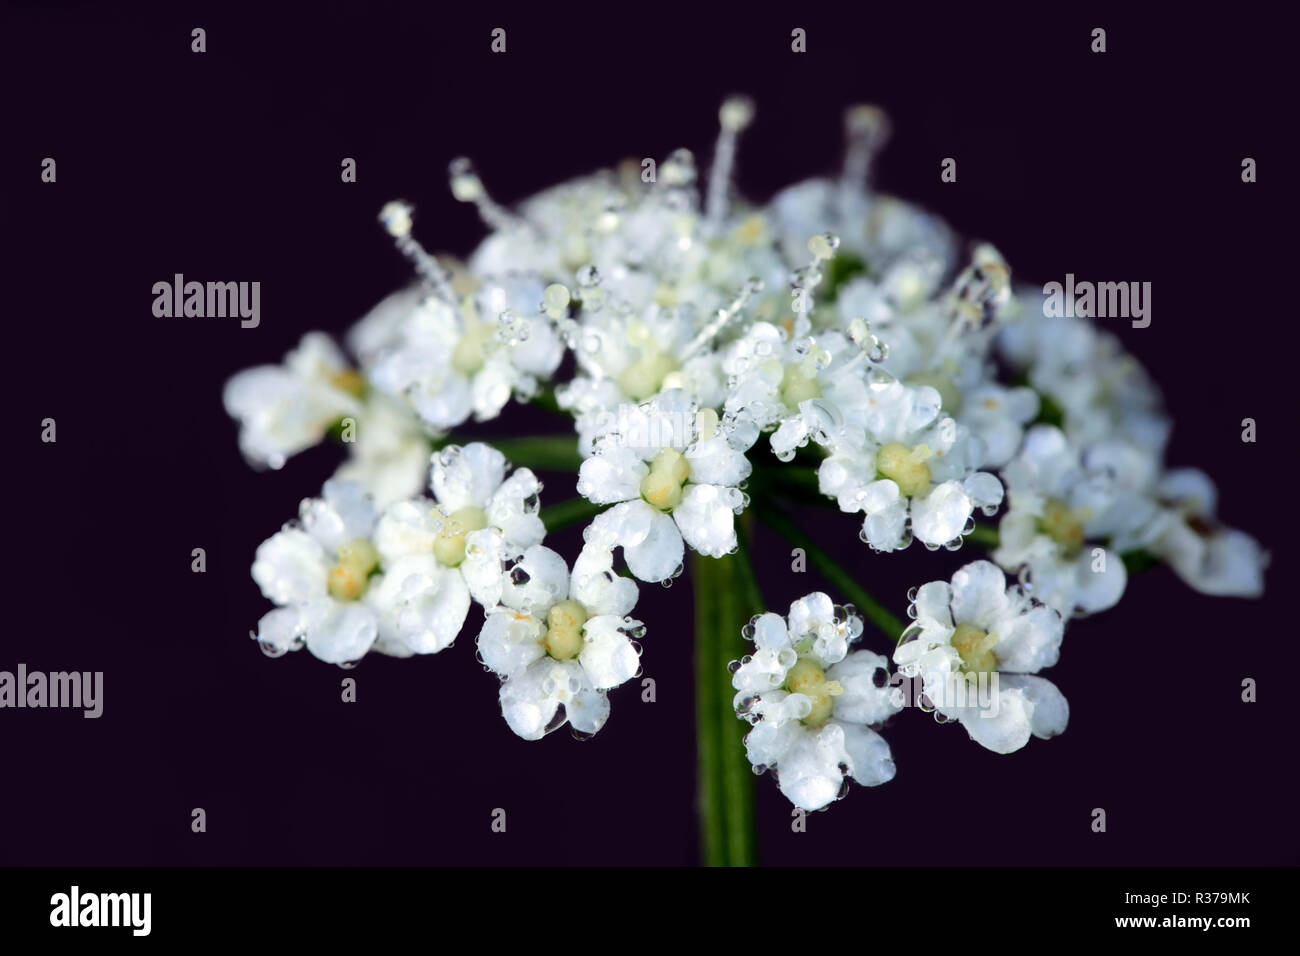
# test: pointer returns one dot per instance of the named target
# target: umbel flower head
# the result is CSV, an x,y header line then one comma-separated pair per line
x,y
720,362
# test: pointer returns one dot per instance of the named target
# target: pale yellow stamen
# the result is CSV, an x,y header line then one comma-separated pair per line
x,y
348,578
799,383
808,678
564,623
468,356
449,545
1063,525
976,649
643,377
906,467
349,380
662,486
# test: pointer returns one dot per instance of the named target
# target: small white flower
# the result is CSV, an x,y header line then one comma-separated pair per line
x,y
907,470
670,481
1060,512
320,575
284,409
1209,557
389,455
801,388
811,702
439,553
878,229
560,641
454,362
979,630
1100,390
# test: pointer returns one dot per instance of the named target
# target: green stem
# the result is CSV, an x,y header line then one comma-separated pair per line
x,y
567,513
713,834
794,481
545,399
543,452
830,569
724,593
984,534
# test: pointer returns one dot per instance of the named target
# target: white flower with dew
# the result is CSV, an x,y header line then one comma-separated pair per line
x,y
812,702
285,409
560,641
975,644
439,553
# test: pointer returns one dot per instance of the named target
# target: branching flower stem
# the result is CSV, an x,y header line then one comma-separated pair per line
x,y
830,569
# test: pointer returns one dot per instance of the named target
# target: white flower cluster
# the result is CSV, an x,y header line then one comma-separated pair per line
x,y
839,327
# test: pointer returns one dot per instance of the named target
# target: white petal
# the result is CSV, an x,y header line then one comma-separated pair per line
x,y
611,476
527,708
492,386
809,772
280,628
607,655
885,528
940,516
587,711
530,699
870,760
1102,589
407,528
1003,728
652,545
862,702
467,477
933,602
1051,710
481,569
715,462
766,670
421,602
290,567
706,516
810,613
1030,641
513,510
769,742
878,495
537,582
442,401
339,632
343,513
770,632
984,489
596,586
1226,563
979,594
510,641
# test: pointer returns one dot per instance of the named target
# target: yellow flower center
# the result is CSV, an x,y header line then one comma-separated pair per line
x,y
906,467
808,678
799,383
643,378
349,380
348,578
662,487
564,623
449,546
1062,525
976,649
468,356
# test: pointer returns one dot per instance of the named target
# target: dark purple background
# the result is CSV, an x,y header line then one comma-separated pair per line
x,y
226,166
